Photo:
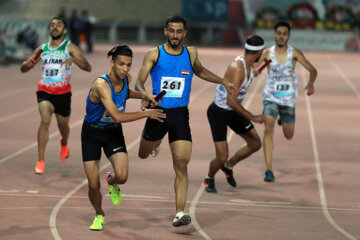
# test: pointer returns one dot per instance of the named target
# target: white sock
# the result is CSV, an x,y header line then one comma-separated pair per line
x,y
225,165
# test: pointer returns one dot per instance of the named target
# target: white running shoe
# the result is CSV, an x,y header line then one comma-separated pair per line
x,y
181,218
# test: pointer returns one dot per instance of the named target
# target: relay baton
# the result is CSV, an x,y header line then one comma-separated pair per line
x,y
158,97
264,65
37,56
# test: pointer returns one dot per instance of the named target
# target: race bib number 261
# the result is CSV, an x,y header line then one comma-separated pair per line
x,y
174,86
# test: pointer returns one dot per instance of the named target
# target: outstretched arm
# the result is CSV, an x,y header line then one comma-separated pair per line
x,y
102,92
308,66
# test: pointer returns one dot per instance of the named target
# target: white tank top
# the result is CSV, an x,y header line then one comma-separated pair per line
x,y
281,85
221,93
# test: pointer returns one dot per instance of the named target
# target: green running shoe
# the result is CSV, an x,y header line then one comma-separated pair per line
x,y
114,191
97,224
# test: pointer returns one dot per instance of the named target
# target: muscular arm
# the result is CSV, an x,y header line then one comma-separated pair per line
x,y
308,66
148,63
236,74
78,58
30,62
201,71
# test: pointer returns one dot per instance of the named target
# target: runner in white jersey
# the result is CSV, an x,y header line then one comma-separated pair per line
x,y
54,89
280,92
226,110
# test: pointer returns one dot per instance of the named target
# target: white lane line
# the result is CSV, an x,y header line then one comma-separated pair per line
x,y
245,201
34,144
32,191
199,192
319,177
54,212
346,79
32,109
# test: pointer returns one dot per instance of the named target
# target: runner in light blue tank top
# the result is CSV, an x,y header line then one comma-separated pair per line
x,y
173,73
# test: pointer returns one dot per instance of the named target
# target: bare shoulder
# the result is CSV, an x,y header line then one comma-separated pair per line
x,y
297,53
192,49
100,83
73,48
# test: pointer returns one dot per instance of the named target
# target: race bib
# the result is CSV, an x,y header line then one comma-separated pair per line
x,y
284,88
106,117
174,86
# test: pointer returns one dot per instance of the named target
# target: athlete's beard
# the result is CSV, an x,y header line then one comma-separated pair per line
x,y
173,45
57,37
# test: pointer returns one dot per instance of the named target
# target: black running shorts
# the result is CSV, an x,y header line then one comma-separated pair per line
x,y
61,102
220,118
95,137
176,124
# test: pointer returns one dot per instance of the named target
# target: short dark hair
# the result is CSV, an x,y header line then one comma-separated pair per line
x,y
282,24
122,50
254,40
176,19
59,18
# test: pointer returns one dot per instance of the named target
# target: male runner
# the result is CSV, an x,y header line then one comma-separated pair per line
x,y
228,111
280,92
54,89
105,111
172,66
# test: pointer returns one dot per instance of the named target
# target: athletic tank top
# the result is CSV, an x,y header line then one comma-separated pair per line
x,y
173,73
281,85
55,79
96,113
221,92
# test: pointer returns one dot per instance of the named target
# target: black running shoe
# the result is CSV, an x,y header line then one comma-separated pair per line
x,y
229,176
210,185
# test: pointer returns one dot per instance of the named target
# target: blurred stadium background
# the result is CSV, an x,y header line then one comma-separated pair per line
x,y
329,25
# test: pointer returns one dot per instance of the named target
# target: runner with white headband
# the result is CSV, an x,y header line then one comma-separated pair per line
x,y
227,110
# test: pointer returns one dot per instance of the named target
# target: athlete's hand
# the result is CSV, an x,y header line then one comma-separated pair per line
x,y
259,119
68,63
156,114
30,63
310,89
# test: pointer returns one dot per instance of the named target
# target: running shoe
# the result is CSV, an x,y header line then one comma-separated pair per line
x,y
229,175
269,176
39,167
156,151
97,224
210,185
64,151
181,218
114,191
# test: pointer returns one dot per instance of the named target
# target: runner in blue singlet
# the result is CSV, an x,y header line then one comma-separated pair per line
x,y
172,67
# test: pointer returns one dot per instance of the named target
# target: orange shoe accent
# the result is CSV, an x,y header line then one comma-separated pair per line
x,y
39,167
64,152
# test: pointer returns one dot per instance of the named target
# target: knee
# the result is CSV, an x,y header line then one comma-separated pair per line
x,y
45,123
180,165
143,155
121,178
223,157
256,146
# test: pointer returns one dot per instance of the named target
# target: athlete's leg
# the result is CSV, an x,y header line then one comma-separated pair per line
x,y
146,147
46,110
253,144
268,141
63,125
222,154
181,153
92,174
120,165
288,130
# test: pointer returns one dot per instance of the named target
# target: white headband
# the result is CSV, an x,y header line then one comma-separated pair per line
x,y
254,48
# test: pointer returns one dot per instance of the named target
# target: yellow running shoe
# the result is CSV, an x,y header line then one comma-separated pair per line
x,y
114,191
97,224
